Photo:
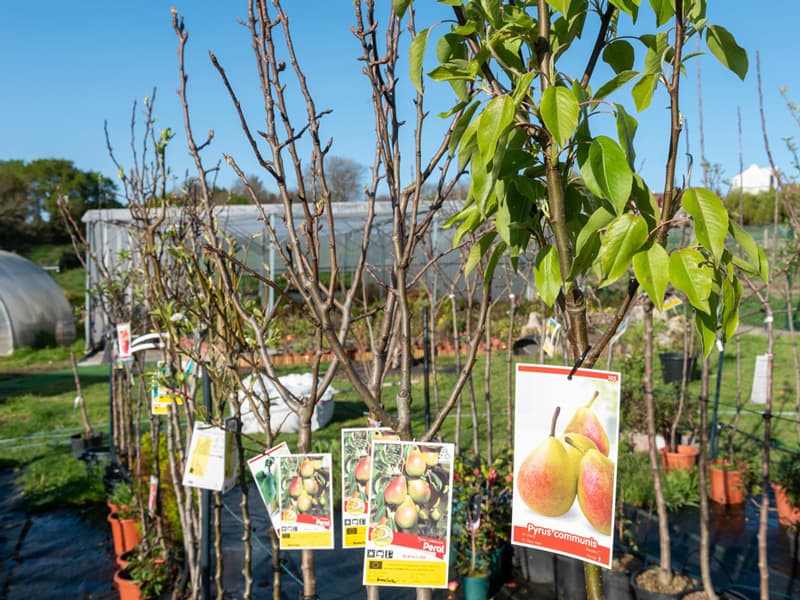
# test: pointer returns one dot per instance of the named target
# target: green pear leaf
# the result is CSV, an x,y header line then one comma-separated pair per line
x,y
623,238
689,273
651,269
756,259
493,122
416,53
614,84
547,274
619,55
606,172
710,219
724,47
664,9
559,111
642,91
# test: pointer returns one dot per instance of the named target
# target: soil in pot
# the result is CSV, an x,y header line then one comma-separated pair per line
x,y
647,585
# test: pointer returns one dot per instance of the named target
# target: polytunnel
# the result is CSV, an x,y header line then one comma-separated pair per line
x,y
33,307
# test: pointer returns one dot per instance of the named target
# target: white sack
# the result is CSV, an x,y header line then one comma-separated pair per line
x,y
281,416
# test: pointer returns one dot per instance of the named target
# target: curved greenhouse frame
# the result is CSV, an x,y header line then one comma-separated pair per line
x,y
32,306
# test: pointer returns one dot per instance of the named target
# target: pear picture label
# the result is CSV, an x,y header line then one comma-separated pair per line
x,y
305,489
565,464
408,526
356,474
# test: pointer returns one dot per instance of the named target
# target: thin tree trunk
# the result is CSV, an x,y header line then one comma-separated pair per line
x,y
487,382
663,518
87,427
219,559
509,372
705,568
457,349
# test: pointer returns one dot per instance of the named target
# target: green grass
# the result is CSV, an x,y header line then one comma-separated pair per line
x,y
37,417
37,414
25,360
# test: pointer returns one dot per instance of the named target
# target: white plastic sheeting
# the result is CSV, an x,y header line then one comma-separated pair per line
x,y
31,304
282,418
110,231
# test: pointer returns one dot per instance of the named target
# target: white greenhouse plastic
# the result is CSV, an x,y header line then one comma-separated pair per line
x,y
112,231
31,305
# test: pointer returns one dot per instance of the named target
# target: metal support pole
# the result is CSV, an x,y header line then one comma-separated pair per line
x,y
205,511
111,342
426,344
713,441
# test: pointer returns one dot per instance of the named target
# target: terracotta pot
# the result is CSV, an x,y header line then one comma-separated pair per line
x,y
726,482
788,514
128,589
125,533
124,559
685,458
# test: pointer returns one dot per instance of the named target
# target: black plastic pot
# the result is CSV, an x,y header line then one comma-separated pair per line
x,y
642,594
570,581
538,565
723,595
617,585
672,367
500,568
81,444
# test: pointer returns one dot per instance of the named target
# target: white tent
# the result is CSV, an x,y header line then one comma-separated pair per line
x,y
31,305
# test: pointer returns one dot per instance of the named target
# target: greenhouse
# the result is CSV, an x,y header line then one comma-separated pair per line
x,y
109,234
33,308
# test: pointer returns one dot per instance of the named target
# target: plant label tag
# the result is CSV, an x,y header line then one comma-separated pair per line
x,y
205,462
356,474
305,489
410,506
565,465
264,468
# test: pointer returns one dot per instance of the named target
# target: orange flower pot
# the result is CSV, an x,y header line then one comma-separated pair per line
x,y
788,514
726,482
124,532
684,459
128,589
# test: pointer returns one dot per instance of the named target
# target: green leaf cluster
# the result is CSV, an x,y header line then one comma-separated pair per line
x,y
542,184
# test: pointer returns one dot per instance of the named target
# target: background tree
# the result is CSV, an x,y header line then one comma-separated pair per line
x,y
30,195
343,177
251,189
13,203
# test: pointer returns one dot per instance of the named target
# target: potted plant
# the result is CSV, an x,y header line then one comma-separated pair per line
x,y
786,486
83,441
725,481
146,574
481,523
121,497
124,521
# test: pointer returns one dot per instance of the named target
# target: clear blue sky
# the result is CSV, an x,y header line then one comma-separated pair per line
x,y
68,67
